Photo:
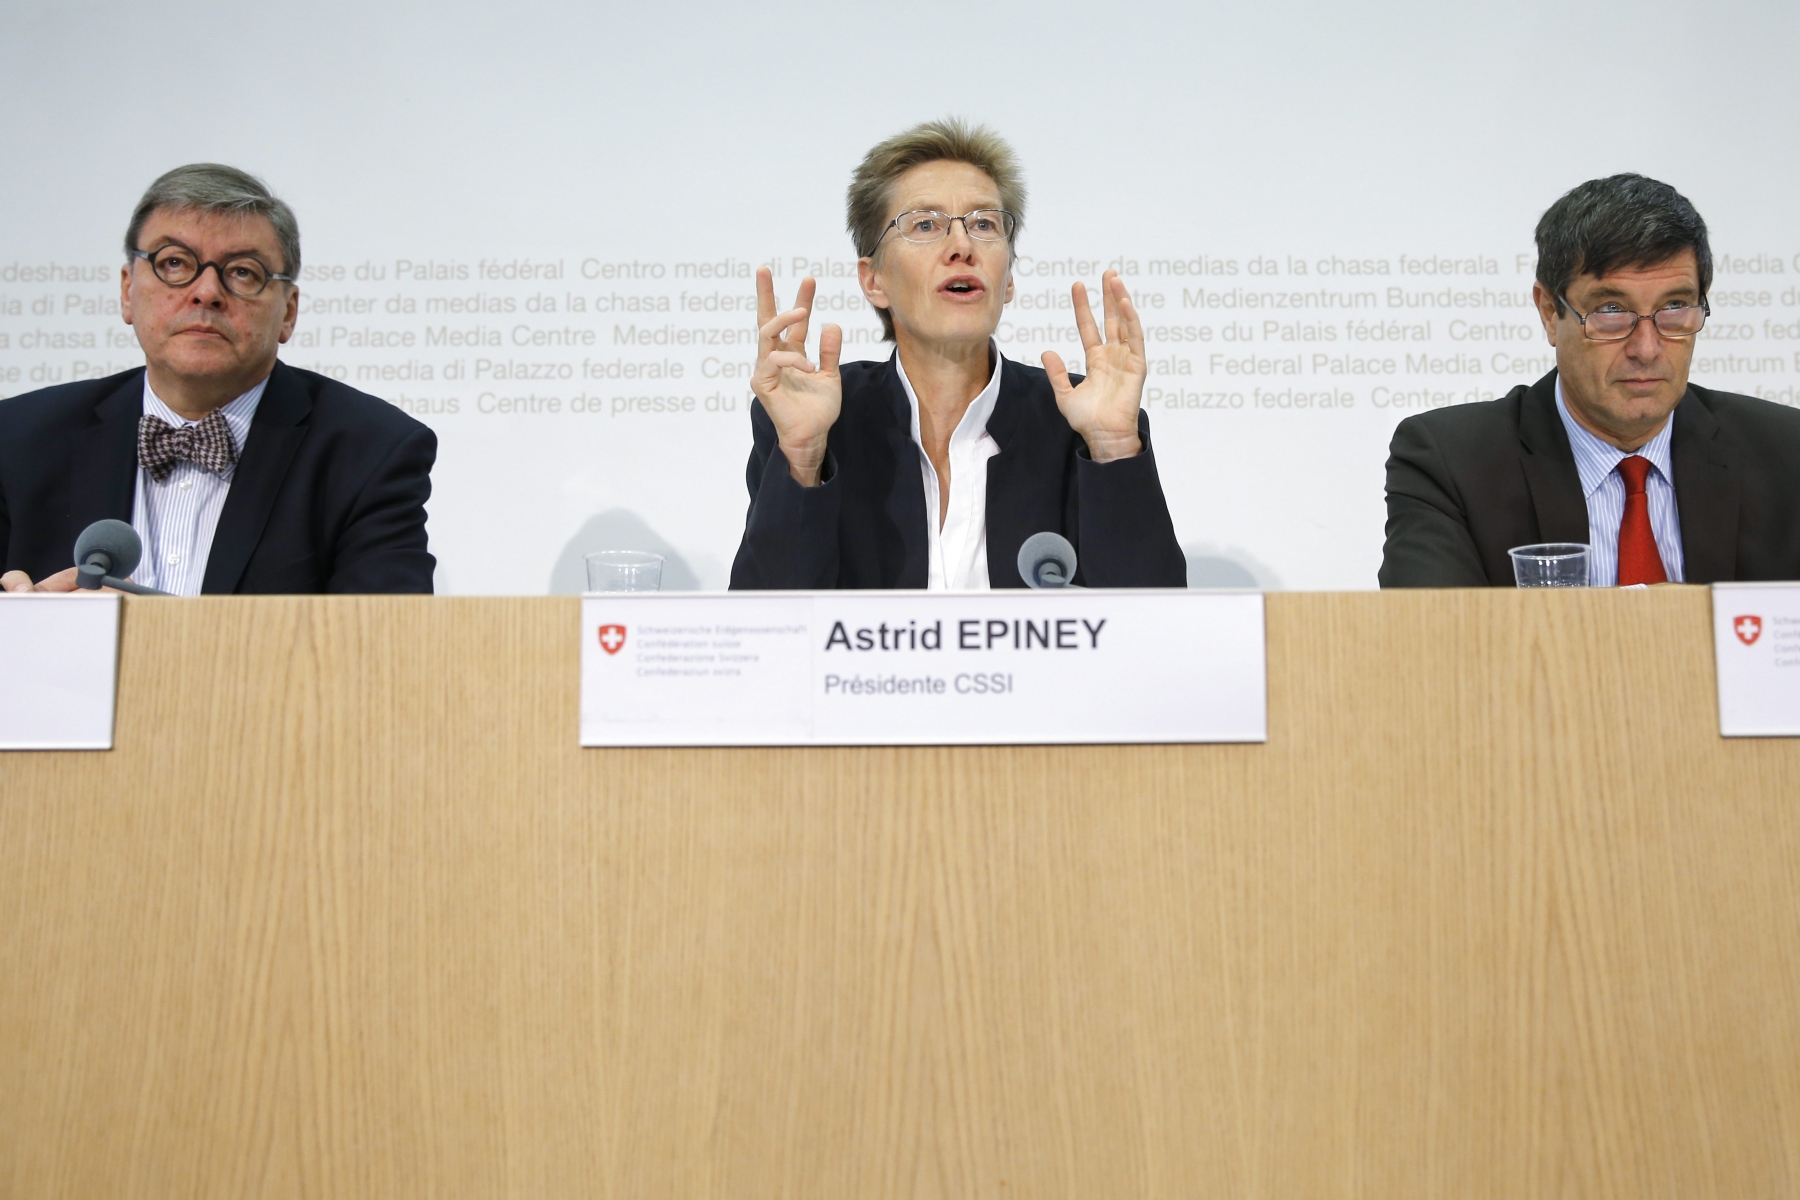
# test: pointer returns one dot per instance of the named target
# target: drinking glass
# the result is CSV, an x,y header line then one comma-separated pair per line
x,y
624,571
1552,564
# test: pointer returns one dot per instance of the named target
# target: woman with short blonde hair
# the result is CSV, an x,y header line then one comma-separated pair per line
x,y
931,469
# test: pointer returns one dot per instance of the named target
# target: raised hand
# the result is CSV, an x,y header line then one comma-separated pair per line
x,y
1104,408
802,398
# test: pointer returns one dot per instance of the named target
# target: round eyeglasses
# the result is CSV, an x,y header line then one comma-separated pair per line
x,y
928,225
243,276
1615,325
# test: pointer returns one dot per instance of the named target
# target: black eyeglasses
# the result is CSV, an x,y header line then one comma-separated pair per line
x,y
924,225
243,276
1615,325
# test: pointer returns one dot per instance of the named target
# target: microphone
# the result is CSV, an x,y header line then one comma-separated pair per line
x,y
1046,560
106,552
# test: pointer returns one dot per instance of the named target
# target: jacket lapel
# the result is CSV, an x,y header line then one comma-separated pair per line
x,y
906,496
1549,464
103,472
1706,493
275,434
1006,521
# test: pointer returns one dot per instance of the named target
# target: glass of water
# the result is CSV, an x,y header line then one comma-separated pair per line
x,y
624,571
1552,564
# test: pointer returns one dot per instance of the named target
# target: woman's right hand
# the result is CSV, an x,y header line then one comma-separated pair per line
x,y
802,398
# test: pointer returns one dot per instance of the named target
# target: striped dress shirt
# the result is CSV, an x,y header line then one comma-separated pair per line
x,y
1597,463
175,519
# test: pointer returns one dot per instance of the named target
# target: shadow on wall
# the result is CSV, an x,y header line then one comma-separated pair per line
x,y
1211,566
618,529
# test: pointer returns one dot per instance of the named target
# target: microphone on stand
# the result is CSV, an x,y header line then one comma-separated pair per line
x,y
106,552
1046,560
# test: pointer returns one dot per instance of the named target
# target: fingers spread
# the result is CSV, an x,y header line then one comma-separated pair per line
x,y
1109,304
803,300
1130,328
793,360
779,329
765,297
831,345
1084,318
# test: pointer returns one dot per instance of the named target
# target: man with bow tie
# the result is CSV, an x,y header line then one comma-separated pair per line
x,y
240,474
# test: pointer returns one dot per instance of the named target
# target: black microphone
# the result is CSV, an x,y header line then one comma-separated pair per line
x,y
106,552
1046,560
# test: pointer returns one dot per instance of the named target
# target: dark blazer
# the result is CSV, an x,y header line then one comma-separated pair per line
x,y
1465,484
865,526
328,495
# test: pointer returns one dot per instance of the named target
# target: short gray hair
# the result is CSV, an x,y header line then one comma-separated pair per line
x,y
215,188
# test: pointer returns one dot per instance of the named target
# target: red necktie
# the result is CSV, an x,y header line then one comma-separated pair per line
x,y
1639,559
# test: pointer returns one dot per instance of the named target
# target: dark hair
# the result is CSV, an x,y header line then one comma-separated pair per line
x,y
1620,221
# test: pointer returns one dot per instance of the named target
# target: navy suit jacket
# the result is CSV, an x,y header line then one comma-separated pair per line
x,y
866,526
328,495
1469,482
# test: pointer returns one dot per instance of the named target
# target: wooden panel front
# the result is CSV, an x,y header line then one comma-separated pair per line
x,y
1494,913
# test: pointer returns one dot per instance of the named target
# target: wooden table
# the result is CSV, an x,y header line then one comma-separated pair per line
x,y
347,913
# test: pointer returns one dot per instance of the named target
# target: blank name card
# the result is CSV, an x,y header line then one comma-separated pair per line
x,y
59,657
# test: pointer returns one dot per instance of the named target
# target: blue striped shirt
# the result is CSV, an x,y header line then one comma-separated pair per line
x,y
1597,463
175,519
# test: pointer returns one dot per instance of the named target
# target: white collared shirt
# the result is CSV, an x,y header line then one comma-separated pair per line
x,y
175,519
1597,462
959,548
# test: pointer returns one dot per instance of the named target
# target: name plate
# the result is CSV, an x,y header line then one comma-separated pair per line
x,y
922,668
59,658
1756,644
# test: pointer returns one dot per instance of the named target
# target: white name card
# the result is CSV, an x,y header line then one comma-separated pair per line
x,y
922,668
1756,644
59,660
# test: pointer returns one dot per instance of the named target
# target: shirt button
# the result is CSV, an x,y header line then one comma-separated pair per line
x,y
174,560
186,483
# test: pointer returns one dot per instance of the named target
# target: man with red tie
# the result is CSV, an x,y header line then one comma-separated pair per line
x,y
1665,480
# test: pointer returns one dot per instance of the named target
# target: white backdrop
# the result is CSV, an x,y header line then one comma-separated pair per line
x,y
533,225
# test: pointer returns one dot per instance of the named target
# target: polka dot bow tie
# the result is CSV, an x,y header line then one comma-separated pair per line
x,y
207,445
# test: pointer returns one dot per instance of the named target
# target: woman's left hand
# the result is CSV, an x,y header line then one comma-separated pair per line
x,y
1103,409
